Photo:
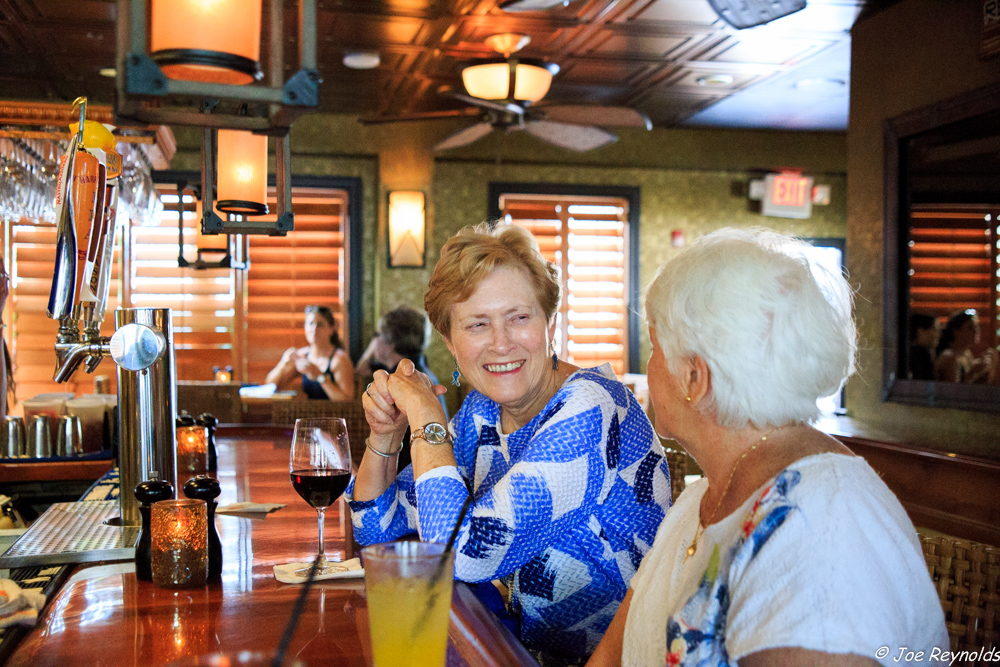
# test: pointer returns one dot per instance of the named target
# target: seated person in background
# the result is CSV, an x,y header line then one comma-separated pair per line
x,y
956,361
924,336
564,473
403,333
325,368
791,551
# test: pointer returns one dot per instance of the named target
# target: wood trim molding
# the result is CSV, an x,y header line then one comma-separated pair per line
x,y
950,493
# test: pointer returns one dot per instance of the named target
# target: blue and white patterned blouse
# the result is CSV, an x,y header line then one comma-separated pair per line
x,y
564,508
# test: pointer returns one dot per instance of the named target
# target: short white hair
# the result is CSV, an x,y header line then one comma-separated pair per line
x,y
775,328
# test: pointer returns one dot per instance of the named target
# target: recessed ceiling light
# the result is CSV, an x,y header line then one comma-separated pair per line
x,y
362,59
820,81
109,72
715,80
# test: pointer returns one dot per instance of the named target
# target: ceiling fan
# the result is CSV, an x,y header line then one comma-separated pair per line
x,y
502,92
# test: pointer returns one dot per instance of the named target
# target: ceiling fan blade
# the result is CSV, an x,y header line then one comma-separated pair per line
x,y
531,5
582,114
465,137
420,115
574,137
485,104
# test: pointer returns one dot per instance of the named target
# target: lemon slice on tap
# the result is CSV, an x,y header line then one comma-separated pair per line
x,y
96,135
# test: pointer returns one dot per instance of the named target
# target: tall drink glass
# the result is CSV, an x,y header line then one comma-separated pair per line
x,y
408,607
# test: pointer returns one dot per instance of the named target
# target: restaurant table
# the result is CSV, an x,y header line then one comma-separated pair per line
x,y
104,616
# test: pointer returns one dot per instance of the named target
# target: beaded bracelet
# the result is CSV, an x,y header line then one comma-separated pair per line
x,y
383,454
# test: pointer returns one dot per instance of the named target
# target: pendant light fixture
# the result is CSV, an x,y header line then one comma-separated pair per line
x,y
523,80
213,41
242,173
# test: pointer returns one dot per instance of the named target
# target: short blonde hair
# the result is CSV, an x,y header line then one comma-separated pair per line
x,y
474,253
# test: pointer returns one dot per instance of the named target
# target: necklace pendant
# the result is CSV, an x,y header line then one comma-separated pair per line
x,y
691,549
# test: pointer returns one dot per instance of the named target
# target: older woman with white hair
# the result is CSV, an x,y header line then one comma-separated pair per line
x,y
791,550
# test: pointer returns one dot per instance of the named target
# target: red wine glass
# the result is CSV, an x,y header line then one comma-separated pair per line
x,y
320,468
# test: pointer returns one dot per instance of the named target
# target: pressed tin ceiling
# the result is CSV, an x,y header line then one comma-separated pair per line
x,y
675,60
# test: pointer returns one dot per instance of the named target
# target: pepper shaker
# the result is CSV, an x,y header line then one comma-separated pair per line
x,y
209,422
147,493
207,488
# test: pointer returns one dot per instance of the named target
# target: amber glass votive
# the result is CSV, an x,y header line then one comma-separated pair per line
x,y
192,445
179,550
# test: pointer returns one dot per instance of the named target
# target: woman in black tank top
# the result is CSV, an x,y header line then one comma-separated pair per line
x,y
325,369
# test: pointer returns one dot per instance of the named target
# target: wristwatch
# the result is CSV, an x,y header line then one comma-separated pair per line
x,y
434,434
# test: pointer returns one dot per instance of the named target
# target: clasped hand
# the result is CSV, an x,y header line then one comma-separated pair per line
x,y
391,398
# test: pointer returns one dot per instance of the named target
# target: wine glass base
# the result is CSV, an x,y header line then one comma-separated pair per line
x,y
328,568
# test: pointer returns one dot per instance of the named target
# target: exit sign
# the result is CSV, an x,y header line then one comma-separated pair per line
x,y
787,196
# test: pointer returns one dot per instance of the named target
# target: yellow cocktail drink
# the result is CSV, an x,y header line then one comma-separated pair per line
x,y
409,622
409,599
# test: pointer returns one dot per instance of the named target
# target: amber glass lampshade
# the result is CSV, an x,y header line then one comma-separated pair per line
x,y
491,80
215,41
242,181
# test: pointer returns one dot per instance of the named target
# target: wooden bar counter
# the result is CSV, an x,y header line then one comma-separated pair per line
x,y
104,616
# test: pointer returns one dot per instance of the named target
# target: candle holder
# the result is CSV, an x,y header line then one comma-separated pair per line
x,y
179,551
192,445
148,493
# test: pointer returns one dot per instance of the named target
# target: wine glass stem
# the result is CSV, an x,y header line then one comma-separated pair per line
x,y
322,553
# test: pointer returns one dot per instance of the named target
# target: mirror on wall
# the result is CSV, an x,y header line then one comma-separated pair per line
x,y
941,333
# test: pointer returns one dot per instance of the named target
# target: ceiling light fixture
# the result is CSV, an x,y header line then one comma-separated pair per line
x,y
213,42
362,60
517,79
715,80
109,72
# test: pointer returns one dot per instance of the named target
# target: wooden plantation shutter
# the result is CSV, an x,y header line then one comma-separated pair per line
x,y
32,334
586,238
953,262
288,273
202,301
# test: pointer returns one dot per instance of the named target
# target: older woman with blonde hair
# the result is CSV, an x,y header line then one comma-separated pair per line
x,y
791,550
561,466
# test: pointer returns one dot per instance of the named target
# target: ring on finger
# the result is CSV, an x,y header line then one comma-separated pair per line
x,y
368,392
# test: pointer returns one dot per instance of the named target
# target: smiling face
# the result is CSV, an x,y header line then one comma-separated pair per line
x,y
317,328
500,338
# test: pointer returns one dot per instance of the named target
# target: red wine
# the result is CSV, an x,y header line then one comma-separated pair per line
x,y
320,488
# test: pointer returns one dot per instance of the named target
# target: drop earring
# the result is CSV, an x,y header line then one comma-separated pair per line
x,y
456,375
555,359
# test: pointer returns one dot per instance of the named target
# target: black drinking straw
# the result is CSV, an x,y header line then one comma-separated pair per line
x,y
300,605
439,570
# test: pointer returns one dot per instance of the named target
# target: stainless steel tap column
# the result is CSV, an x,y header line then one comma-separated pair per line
x,y
147,399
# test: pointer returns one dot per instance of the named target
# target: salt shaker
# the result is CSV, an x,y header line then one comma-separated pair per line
x,y
207,488
147,493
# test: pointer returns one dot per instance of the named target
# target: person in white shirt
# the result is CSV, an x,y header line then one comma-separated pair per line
x,y
791,550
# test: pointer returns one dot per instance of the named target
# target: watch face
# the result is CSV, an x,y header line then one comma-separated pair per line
x,y
435,433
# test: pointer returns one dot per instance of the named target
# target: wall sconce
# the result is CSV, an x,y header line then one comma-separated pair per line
x,y
406,229
242,178
214,42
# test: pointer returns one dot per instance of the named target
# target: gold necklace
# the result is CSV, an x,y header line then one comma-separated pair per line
x,y
693,547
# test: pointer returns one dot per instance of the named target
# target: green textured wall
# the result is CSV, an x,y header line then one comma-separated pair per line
x,y
693,180
693,201
911,55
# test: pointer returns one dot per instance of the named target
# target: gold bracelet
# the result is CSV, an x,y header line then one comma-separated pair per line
x,y
383,454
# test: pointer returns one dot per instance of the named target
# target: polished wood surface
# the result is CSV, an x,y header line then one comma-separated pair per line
x,y
105,616
47,471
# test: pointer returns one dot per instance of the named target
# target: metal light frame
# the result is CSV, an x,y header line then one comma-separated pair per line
x,y
267,109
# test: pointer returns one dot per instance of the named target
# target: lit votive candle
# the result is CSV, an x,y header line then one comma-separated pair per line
x,y
179,550
192,446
